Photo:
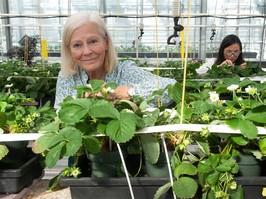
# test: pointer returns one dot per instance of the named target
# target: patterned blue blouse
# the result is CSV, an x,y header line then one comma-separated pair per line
x,y
126,73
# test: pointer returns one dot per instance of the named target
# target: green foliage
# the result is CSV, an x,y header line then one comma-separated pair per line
x,y
19,114
37,81
229,71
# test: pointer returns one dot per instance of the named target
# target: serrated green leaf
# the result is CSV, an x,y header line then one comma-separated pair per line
x,y
204,167
213,178
185,169
45,142
103,109
203,144
54,155
240,140
151,148
223,168
201,107
177,92
73,139
122,130
162,190
257,114
73,111
247,128
185,187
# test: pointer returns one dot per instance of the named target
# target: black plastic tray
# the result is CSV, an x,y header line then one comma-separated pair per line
x,y
14,180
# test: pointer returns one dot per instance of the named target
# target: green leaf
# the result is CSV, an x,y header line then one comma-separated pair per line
x,y
31,80
214,160
3,151
74,110
45,142
73,139
240,140
223,167
246,127
54,183
112,85
257,114
177,92
103,109
232,80
262,145
204,167
201,107
123,129
52,127
185,187
92,144
54,155
185,169
237,193
150,117
3,119
203,144
213,178
162,190
151,147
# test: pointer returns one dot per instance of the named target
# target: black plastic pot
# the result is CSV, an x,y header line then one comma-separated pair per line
x,y
144,187
113,188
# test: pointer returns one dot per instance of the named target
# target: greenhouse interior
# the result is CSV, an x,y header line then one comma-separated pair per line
x,y
133,99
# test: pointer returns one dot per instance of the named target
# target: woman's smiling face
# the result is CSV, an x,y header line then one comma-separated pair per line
x,y
88,48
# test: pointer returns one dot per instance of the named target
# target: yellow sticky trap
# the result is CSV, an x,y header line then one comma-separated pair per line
x,y
264,191
44,48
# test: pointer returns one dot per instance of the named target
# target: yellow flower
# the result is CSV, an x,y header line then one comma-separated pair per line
x,y
75,172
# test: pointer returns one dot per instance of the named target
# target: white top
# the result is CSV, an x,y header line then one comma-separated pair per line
x,y
204,67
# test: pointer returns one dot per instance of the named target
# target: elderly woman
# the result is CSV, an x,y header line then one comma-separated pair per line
x,y
88,53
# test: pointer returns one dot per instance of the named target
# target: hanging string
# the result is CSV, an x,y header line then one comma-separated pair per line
x,y
185,65
156,47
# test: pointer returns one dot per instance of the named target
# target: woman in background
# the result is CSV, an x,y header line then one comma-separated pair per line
x,y
230,53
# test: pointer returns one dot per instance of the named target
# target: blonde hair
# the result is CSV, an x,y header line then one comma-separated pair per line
x,y
68,65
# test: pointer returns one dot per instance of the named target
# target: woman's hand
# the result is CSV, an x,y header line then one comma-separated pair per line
x,y
121,92
244,65
227,62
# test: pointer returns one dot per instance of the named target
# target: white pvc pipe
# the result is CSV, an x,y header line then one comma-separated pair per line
x,y
153,129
